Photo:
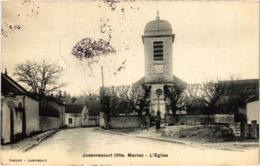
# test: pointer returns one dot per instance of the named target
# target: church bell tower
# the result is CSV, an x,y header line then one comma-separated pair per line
x,y
158,39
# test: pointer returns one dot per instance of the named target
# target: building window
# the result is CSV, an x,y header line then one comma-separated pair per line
x,y
158,50
70,120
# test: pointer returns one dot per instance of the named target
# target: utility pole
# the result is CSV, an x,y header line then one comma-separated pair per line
x,y
102,76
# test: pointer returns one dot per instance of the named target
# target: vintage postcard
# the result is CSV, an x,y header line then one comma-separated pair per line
x,y
127,82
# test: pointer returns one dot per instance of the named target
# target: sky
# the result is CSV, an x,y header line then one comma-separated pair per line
x,y
213,39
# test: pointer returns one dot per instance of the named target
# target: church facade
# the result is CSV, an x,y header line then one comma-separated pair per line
x,y
158,40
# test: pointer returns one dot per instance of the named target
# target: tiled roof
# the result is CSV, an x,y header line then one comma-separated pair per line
x,y
73,108
9,86
238,87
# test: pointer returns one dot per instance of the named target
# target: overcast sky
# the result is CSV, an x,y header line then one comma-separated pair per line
x,y
212,39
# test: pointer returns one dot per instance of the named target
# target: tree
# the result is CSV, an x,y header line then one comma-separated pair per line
x,y
204,96
108,102
41,78
138,98
121,98
211,94
192,97
175,95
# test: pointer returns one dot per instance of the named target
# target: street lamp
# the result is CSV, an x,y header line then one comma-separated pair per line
x,y
159,93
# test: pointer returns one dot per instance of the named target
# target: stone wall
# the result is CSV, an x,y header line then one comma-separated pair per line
x,y
187,119
61,109
223,118
193,119
90,121
47,123
199,119
32,115
128,121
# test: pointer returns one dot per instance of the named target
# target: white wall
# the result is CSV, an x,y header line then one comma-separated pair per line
x,y
252,111
18,122
76,121
17,116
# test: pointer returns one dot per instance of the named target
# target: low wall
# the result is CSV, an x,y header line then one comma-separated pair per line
x,y
223,118
47,123
199,119
128,121
187,119
91,121
193,119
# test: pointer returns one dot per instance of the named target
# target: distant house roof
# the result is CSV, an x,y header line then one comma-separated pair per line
x,y
93,107
11,87
74,108
175,80
53,99
237,87
81,100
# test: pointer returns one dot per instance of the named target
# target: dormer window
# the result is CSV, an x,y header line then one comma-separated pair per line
x,y
158,50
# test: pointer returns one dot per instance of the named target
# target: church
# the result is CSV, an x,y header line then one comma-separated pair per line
x,y
158,39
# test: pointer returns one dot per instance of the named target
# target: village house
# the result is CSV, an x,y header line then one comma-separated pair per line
x,y
19,111
82,115
22,115
73,115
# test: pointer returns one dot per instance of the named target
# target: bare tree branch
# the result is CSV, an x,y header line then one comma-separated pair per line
x,y
41,78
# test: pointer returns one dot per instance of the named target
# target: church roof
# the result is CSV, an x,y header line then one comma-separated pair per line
x,y
176,80
158,27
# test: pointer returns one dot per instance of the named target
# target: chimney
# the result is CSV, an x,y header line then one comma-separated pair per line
x,y
5,71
